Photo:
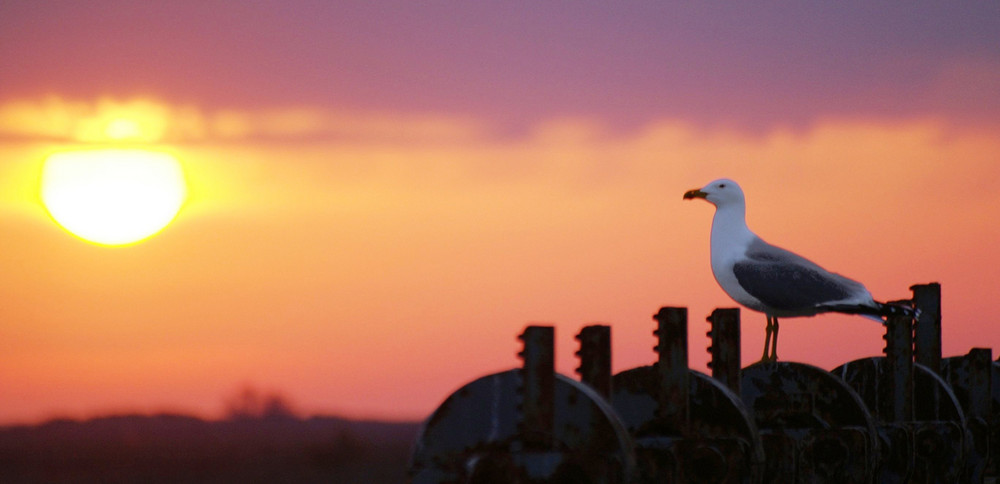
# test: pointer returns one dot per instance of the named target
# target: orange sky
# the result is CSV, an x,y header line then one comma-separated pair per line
x,y
367,260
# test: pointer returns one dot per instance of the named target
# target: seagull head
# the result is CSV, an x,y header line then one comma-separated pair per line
x,y
720,193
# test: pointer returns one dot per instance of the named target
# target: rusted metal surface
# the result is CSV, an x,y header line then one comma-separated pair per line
x,y
595,358
970,378
477,435
717,442
813,426
725,348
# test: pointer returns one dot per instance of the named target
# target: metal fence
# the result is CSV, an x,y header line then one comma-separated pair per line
x,y
906,416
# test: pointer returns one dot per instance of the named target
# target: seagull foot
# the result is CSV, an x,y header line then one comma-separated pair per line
x,y
768,359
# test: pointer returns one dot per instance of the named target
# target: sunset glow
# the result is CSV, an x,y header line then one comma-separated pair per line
x,y
122,129
359,207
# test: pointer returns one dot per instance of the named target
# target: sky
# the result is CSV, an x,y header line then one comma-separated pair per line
x,y
382,195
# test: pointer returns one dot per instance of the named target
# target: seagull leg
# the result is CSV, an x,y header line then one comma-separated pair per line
x,y
774,344
770,340
767,339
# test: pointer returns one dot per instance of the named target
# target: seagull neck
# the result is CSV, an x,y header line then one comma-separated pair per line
x,y
730,224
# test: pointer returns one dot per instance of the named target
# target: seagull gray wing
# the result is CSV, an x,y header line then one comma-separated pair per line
x,y
785,281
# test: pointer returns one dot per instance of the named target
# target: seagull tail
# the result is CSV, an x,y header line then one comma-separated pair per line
x,y
878,311
896,308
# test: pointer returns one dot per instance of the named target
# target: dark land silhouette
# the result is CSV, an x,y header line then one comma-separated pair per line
x,y
268,448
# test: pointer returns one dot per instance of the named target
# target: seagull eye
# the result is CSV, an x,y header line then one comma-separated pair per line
x,y
722,185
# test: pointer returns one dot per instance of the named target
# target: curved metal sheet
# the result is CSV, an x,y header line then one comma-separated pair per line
x,y
937,434
970,378
474,432
814,426
719,444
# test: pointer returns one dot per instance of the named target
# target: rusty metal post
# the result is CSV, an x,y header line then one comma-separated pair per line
x,y
927,337
537,409
980,379
725,348
977,373
896,398
595,358
673,367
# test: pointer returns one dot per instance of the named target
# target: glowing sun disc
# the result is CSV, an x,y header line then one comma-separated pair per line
x,y
115,196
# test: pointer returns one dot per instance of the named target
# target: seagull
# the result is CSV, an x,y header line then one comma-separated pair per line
x,y
770,279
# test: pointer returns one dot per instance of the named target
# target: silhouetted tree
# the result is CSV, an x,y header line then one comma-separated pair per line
x,y
250,403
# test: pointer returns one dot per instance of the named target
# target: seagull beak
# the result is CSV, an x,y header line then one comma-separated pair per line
x,y
696,193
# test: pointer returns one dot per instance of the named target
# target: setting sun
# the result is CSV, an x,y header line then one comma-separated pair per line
x,y
114,196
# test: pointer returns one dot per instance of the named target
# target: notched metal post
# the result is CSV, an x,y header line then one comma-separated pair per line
x,y
537,408
595,358
927,331
673,367
896,398
979,375
725,347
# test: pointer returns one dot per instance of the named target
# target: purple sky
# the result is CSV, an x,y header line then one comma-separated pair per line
x,y
514,64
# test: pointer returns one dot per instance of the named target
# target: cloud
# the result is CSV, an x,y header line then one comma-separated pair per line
x,y
105,119
148,120
285,159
